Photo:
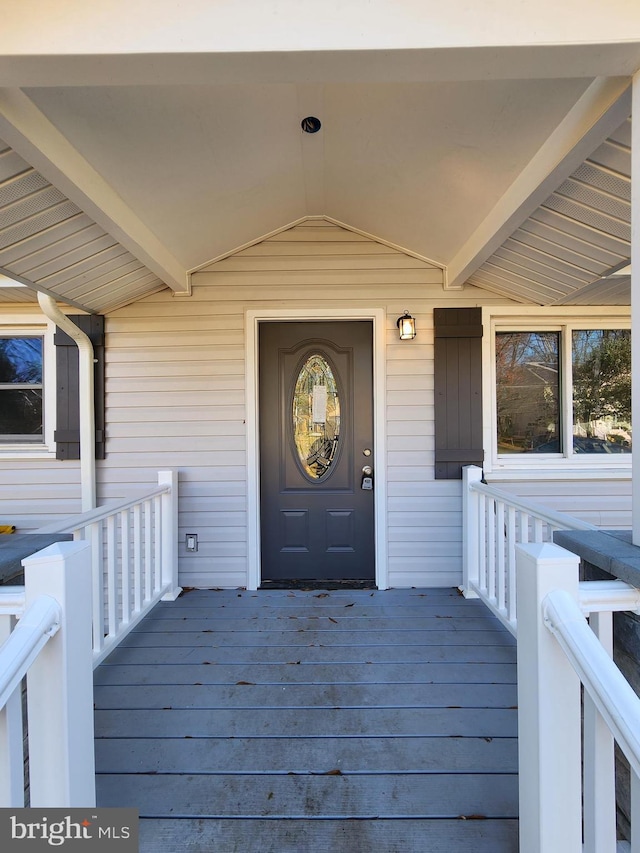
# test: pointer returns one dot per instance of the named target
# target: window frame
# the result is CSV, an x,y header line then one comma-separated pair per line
x,y
547,465
25,327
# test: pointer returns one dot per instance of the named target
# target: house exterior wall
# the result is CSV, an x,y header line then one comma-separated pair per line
x,y
176,381
605,502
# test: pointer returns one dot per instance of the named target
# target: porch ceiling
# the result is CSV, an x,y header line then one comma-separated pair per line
x,y
563,254
110,192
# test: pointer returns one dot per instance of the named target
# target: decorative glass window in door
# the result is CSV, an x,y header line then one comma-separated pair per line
x,y
316,416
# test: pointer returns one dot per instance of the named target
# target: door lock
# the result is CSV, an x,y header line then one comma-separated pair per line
x,y
367,478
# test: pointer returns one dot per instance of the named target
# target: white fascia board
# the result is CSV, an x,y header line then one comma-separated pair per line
x,y
600,110
320,66
40,143
164,26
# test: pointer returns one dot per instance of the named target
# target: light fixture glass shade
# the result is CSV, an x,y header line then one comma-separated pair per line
x,y
406,326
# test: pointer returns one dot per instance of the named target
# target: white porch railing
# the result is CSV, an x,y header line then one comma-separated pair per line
x,y
533,587
558,651
493,522
79,600
51,645
134,558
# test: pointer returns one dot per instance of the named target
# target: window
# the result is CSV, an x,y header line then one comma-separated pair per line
x,y
21,389
563,391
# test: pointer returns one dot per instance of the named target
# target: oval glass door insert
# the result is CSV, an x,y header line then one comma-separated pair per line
x,y
316,416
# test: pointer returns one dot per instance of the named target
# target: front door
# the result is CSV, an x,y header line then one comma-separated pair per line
x,y
316,451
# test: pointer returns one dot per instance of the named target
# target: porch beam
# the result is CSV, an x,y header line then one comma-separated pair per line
x,y
635,303
40,143
602,108
155,41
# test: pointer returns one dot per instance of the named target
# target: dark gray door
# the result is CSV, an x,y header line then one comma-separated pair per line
x,y
316,436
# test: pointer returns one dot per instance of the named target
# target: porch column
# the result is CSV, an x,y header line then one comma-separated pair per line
x,y
635,299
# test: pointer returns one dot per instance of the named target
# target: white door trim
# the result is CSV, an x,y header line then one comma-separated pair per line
x,y
252,319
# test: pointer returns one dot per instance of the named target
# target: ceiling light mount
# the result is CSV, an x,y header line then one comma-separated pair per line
x,y
311,124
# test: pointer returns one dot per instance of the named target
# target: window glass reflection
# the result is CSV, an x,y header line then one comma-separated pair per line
x,y
601,364
527,391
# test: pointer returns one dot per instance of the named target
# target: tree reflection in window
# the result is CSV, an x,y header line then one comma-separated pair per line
x,y
21,388
601,361
316,416
527,390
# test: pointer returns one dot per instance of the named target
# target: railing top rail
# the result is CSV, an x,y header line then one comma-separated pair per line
x,y
611,692
556,519
608,596
75,522
12,600
39,623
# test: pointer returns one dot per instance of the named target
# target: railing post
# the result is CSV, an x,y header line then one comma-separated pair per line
x,y
60,681
169,512
11,733
470,539
548,709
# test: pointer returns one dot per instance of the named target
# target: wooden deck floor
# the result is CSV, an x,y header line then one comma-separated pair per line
x,y
299,722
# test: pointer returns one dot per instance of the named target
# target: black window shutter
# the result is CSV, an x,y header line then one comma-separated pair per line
x,y
67,433
457,390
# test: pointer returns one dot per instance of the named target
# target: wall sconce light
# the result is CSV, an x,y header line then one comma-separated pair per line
x,y
406,326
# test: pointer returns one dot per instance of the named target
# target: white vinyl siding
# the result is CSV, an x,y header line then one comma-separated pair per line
x,y
34,492
175,398
176,392
603,502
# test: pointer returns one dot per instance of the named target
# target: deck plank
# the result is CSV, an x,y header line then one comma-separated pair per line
x,y
374,796
142,638
388,673
329,836
302,696
314,653
292,622
314,722
308,755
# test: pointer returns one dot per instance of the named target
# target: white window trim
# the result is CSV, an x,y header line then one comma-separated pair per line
x,y
546,467
24,326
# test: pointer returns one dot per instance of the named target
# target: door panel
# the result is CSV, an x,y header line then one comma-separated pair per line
x,y
316,421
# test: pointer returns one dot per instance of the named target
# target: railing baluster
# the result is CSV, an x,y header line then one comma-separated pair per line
x,y
112,591
94,534
482,542
491,548
137,558
538,530
501,556
511,563
598,765
148,569
157,545
125,562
